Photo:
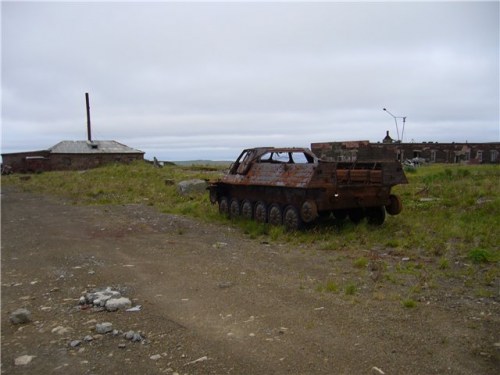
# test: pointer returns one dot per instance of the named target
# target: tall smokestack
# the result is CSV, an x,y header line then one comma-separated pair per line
x,y
89,134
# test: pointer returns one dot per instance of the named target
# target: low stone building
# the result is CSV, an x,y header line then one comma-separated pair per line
x,y
70,155
431,152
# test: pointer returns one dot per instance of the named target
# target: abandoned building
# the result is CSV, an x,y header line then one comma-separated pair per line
x,y
70,155
431,152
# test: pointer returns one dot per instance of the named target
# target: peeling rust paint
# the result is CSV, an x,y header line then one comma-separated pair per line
x,y
295,182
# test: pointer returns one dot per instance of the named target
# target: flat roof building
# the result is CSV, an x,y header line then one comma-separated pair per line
x,y
71,155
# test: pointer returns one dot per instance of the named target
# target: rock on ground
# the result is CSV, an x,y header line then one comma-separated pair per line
x,y
100,297
104,327
20,316
23,360
114,304
192,186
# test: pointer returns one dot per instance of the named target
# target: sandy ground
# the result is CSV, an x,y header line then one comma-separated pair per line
x,y
217,302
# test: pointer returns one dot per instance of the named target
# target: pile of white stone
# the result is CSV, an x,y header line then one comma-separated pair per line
x,y
107,298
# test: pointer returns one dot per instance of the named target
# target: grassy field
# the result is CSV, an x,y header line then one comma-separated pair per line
x,y
451,216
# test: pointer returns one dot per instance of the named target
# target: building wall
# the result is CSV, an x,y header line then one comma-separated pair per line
x,y
477,153
31,161
62,162
38,161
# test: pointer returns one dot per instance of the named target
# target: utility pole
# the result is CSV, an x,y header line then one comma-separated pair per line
x,y
397,128
89,134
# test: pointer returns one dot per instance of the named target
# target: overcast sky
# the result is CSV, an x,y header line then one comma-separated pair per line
x,y
185,81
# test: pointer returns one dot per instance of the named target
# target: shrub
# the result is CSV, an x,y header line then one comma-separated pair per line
x,y
350,289
331,287
361,262
479,255
443,263
409,303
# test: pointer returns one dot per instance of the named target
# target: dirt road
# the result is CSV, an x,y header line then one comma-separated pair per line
x,y
215,301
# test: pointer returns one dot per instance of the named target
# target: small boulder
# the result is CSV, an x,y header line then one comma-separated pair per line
x,y
133,336
75,343
114,304
103,328
20,316
137,337
192,186
60,330
23,360
101,296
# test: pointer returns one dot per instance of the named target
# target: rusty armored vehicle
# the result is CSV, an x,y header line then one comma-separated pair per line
x,y
292,187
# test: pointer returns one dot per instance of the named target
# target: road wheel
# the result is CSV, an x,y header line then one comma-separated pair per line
x,y
260,214
375,215
224,206
395,206
246,210
291,218
275,215
234,208
356,215
309,211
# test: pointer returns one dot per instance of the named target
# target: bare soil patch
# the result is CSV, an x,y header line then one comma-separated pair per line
x,y
217,302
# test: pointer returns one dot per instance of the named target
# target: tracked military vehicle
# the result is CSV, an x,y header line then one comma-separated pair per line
x,y
292,187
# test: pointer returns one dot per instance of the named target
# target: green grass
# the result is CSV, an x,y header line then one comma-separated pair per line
x,y
409,303
451,213
350,289
136,183
446,208
360,262
330,287
443,264
479,255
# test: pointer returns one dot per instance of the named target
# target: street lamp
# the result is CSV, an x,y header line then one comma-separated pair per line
x,y
396,122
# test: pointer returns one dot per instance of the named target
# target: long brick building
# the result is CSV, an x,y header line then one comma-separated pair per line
x,y
432,152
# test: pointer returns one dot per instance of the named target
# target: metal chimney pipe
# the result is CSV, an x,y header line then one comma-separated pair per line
x,y
89,134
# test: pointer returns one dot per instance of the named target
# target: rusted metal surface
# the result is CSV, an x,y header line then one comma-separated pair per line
x,y
291,186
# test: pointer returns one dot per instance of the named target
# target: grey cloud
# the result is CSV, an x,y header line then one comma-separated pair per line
x,y
220,76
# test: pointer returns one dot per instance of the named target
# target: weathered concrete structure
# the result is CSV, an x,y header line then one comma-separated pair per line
x,y
432,152
71,155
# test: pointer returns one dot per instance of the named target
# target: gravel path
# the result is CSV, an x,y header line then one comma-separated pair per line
x,y
213,301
